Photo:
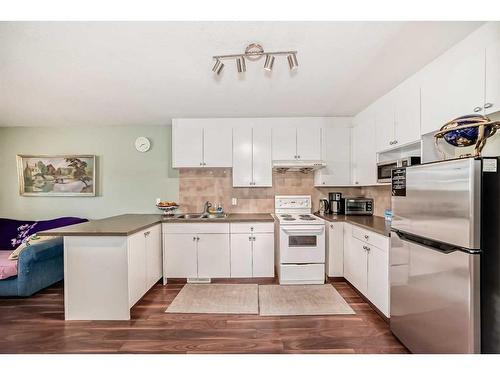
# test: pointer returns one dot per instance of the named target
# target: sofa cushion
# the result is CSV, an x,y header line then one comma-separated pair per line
x,y
33,240
8,268
14,232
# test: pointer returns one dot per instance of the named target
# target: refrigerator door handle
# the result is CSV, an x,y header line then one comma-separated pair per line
x,y
432,245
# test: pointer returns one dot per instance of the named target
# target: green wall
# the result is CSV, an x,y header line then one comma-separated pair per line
x,y
127,181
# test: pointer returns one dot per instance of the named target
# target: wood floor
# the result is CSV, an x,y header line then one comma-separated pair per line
x,y
37,325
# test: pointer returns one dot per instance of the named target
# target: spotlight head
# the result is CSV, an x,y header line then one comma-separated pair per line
x,y
241,65
268,64
292,61
218,66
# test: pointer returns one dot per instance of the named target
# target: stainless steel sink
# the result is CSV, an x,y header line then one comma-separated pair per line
x,y
214,216
188,216
200,216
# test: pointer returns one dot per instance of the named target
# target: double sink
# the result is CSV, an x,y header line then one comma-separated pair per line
x,y
200,216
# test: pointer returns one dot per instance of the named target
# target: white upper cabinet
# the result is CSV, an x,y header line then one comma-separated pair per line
x,y
384,121
407,112
453,87
492,90
252,164
201,143
336,141
364,152
217,144
397,116
187,144
261,157
297,138
309,142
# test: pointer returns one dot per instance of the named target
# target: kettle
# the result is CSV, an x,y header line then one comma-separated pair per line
x,y
324,206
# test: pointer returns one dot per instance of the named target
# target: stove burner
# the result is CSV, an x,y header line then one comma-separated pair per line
x,y
307,218
288,218
286,215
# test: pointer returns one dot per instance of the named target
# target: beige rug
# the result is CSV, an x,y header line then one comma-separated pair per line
x,y
216,299
301,300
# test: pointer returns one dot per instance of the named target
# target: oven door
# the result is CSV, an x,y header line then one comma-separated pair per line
x,y
302,244
384,171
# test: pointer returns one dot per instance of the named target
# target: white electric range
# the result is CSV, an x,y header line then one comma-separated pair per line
x,y
300,255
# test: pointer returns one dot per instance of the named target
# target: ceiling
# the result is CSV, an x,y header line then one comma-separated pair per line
x,y
145,73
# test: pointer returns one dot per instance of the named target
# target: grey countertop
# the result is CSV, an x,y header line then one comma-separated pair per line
x,y
374,223
125,225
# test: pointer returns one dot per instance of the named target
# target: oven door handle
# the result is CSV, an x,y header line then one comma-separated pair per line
x,y
307,231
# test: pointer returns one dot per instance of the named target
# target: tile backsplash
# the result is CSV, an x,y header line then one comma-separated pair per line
x,y
196,186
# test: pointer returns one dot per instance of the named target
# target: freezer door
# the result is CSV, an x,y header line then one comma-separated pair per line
x,y
435,303
442,202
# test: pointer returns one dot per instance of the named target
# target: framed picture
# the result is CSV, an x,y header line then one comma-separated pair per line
x,y
56,176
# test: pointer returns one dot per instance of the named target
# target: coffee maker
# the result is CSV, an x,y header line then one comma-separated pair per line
x,y
336,204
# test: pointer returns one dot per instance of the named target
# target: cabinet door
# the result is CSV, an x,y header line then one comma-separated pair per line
x,y
384,122
241,255
492,99
263,255
309,142
284,142
335,250
337,157
407,112
453,89
365,156
262,158
218,144
180,255
378,278
242,157
154,257
213,255
355,264
187,144
136,267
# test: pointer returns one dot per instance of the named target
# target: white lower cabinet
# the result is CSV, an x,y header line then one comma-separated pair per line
x,y
144,262
181,256
335,249
213,255
213,250
252,250
366,264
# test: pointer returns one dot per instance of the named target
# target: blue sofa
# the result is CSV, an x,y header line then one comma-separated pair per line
x,y
39,265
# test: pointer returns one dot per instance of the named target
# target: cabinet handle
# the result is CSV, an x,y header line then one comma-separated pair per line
x,y
366,236
250,238
194,238
201,163
197,238
251,228
477,109
298,156
395,141
253,238
146,233
391,142
323,182
331,226
488,105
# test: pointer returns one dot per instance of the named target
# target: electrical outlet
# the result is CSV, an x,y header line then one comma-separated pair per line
x,y
234,201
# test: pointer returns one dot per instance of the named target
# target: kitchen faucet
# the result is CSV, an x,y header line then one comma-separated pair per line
x,y
206,206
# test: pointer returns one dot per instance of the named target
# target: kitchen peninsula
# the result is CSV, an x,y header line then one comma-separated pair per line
x,y
109,264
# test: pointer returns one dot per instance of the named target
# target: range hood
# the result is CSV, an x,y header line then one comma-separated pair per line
x,y
304,166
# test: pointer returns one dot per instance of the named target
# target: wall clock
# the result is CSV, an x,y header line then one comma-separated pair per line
x,y
142,144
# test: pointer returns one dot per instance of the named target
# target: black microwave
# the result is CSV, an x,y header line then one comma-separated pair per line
x,y
384,169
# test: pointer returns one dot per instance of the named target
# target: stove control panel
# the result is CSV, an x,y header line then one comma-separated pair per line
x,y
290,202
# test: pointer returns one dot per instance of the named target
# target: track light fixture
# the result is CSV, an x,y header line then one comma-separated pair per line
x,y
218,66
254,52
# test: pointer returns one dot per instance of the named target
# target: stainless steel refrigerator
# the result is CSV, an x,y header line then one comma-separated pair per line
x,y
445,256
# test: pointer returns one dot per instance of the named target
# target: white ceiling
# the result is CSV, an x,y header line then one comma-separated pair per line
x,y
133,73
